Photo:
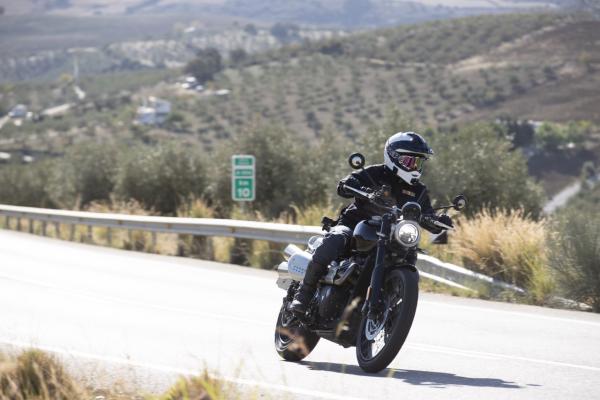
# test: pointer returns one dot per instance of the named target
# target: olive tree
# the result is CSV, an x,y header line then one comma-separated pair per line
x,y
161,177
481,164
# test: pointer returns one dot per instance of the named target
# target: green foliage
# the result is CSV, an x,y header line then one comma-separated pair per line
x,y
480,164
206,64
84,175
25,185
160,177
575,252
288,170
552,136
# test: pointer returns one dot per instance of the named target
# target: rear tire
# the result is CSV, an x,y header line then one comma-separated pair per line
x,y
397,324
293,342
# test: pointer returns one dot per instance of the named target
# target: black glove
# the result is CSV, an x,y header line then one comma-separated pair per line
x,y
446,220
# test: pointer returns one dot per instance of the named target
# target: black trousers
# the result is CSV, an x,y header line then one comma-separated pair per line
x,y
336,242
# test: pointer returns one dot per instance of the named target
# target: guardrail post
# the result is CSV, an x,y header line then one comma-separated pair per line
x,y
31,221
153,245
90,238
57,230
18,223
44,224
109,236
7,222
130,238
72,233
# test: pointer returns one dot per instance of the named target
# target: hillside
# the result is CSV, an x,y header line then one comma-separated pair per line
x,y
332,13
539,66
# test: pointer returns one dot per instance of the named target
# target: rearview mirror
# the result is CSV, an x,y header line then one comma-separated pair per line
x,y
356,161
459,202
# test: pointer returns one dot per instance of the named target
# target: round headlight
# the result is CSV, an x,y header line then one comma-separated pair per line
x,y
407,234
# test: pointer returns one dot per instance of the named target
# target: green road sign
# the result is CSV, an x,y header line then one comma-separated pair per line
x,y
243,180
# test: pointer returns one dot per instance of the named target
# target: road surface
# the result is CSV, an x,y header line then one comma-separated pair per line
x,y
155,317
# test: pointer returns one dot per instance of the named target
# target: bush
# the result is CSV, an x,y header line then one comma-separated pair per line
x,y
506,245
479,163
288,170
86,174
207,63
25,185
160,177
550,136
575,251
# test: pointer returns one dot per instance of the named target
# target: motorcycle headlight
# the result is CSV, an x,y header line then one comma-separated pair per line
x,y
407,234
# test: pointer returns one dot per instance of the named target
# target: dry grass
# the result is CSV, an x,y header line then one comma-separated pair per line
x,y
507,245
35,375
313,215
203,387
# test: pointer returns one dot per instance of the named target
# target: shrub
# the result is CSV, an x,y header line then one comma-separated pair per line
x,y
480,163
509,246
25,185
86,174
207,63
288,170
160,177
575,252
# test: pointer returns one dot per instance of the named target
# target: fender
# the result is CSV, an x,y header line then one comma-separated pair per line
x,y
407,266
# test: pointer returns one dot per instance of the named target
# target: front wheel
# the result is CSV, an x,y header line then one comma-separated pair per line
x,y
379,341
293,341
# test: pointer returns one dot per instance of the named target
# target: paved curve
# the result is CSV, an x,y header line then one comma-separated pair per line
x,y
153,316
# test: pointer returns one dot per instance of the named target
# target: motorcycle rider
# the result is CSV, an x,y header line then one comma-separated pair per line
x,y
404,155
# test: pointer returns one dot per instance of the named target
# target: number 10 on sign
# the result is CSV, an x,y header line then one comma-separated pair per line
x,y
243,180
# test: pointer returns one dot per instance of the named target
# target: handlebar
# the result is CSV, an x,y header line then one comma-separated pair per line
x,y
373,199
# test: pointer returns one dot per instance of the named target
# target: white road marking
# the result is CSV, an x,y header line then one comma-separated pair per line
x,y
180,371
486,355
514,313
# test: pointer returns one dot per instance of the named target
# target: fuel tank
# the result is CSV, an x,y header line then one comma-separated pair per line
x,y
365,236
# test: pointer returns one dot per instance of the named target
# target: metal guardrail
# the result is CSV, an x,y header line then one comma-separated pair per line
x,y
429,267
281,233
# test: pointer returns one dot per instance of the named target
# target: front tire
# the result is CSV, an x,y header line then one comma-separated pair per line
x,y
378,342
293,342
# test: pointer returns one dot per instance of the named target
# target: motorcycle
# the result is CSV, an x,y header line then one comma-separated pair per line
x,y
367,299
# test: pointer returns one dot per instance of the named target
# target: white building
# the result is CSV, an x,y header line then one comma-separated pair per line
x,y
154,112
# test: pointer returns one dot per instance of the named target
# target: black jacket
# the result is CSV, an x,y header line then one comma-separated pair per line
x,y
402,192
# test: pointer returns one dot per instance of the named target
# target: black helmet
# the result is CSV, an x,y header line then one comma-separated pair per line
x,y
404,155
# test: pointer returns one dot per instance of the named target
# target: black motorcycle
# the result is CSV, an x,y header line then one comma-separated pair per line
x,y
367,299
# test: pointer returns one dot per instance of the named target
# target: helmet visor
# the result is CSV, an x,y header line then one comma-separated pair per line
x,y
408,162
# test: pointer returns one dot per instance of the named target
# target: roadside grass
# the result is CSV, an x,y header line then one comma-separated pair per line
x,y
507,245
36,375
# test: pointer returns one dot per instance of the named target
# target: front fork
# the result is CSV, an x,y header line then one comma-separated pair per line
x,y
375,304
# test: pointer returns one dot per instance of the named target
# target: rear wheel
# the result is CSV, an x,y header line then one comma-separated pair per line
x,y
293,341
379,341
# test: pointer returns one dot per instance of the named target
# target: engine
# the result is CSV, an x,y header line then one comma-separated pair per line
x,y
332,301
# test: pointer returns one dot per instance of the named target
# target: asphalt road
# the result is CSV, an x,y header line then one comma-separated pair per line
x,y
154,317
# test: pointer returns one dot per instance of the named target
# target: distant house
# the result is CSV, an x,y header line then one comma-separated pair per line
x,y
4,157
18,111
154,112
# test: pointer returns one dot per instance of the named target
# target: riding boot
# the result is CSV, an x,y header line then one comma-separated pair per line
x,y
307,289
